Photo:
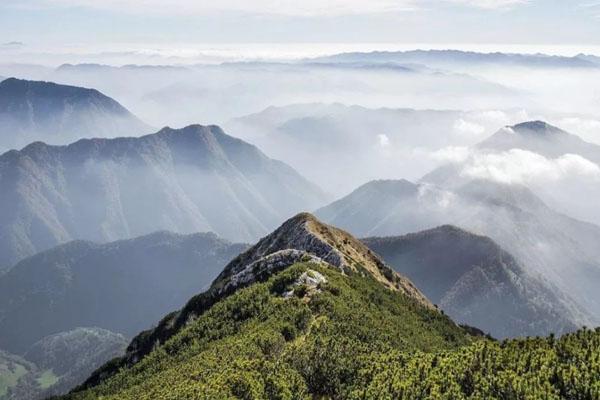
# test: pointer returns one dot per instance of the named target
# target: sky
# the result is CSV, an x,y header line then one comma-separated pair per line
x,y
56,24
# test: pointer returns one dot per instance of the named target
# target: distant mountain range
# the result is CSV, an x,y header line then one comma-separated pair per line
x,y
57,363
547,244
123,286
445,58
475,282
194,179
44,111
367,143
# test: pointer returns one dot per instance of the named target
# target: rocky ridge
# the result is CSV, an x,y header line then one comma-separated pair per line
x,y
302,238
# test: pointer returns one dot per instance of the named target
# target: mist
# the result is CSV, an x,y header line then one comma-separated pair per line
x,y
342,121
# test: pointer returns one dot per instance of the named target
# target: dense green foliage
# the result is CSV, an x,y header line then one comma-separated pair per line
x,y
538,368
257,343
350,338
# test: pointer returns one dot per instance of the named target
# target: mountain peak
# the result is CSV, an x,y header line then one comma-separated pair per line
x,y
333,246
537,128
302,238
535,136
47,111
50,88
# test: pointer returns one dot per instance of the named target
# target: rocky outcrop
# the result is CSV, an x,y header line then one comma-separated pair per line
x,y
331,245
310,281
268,265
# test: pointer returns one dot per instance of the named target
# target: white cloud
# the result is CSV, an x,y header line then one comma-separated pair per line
x,y
305,8
383,140
491,4
452,154
521,166
433,195
308,8
586,128
468,128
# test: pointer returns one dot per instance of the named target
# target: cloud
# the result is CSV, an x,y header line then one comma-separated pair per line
x,y
451,154
434,195
586,128
13,44
467,128
383,140
522,167
306,8
491,4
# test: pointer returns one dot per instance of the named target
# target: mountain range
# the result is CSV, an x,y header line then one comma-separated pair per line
x,y
109,189
550,246
44,111
449,58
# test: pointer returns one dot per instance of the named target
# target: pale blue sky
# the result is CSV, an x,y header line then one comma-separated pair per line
x,y
57,22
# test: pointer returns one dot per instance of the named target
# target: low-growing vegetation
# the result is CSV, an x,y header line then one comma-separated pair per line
x,y
352,338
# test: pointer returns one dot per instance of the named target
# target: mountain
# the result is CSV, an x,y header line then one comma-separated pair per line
x,y
45,111
542,138
299,290
560,167
122,286
57,363
194,179
310,312
550,246
449,58
475,282
72,356
300,239
590,58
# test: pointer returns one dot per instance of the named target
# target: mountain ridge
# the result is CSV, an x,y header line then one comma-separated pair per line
x,y
475,281
39,110
123,286
49,190
302,238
